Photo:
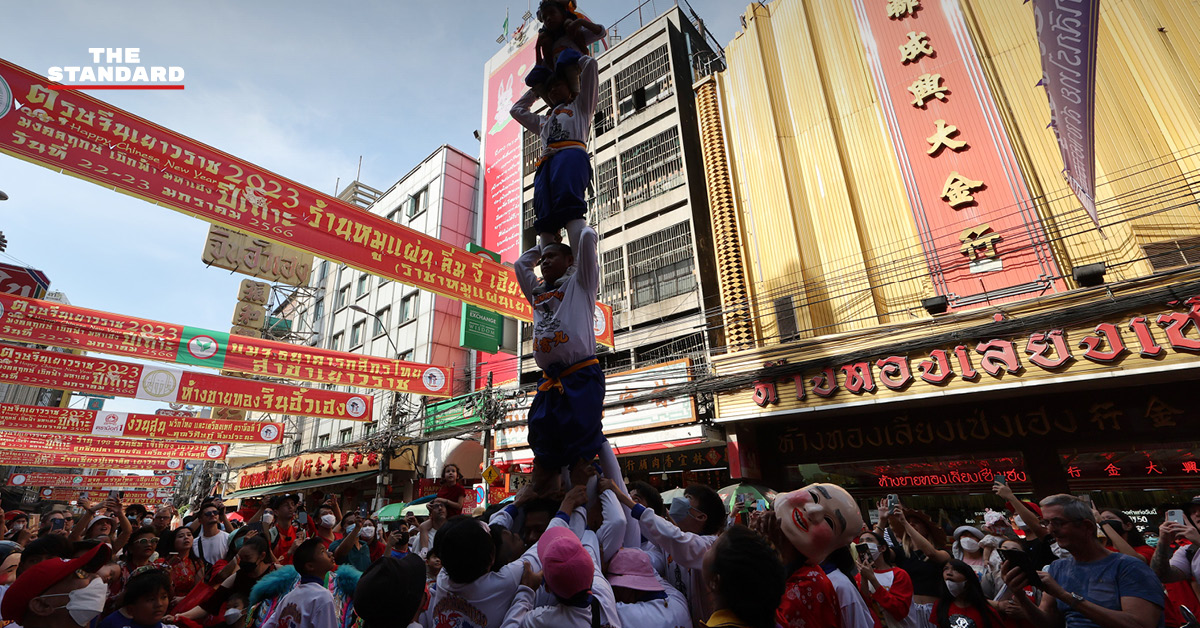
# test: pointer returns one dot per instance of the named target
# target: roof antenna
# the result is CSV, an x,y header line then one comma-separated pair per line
x,y
358,175
336,185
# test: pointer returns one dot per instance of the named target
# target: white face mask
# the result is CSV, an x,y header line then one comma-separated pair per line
x,y
969,544
1058,550
18,527
955,588
327,521
147,521
268,519
872,551
367,533
87,603
233,615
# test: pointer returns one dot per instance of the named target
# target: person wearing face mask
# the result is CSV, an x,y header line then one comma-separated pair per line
x,y
322,526
58,593
17,523
354,548
962,604
184,568
968,549
887,589
695,521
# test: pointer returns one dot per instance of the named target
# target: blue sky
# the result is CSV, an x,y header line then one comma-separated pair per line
x,y
302,88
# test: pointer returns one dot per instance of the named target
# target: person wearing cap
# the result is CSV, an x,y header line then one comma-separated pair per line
x,y
16,524
1027,514
103,521
571,573
643,597
392,592
967,548
58,593
283,513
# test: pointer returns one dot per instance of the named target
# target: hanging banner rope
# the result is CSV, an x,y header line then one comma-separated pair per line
x,y
64,371
98,446
71,421
77,461
91,481
70,327
90,139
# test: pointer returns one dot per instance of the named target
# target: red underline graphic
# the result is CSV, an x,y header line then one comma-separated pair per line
x,y
59,88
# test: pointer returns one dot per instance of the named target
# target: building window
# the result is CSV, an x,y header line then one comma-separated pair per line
x,y
301,321
408,307
660,265
644,82
356,333
1173,253
785,318
343,296
395,214
363,280
612,285
381,321
318,314
607,202
406,356
323,273
323,440
344,435
690,346
527,213
531,151
604,119
369,430
336,343
651,168
296,447
418,202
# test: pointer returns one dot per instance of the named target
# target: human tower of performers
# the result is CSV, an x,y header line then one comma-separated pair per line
x,y
579,547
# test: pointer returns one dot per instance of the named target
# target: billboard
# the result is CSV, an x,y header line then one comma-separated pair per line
x,y
91,481
248,255
71,327
154,427
79,461
101,446
23,281
73,133
62,371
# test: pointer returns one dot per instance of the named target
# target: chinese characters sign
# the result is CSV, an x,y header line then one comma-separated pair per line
x,y
311,466
63,371
982,238
91,481
75,422
44,322
74,133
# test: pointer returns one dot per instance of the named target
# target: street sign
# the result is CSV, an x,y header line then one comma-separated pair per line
x,y
491,474
95,403
23,282
482,330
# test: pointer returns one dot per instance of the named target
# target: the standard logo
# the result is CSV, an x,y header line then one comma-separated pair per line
x,y
269,432
6,103
356,406
214,451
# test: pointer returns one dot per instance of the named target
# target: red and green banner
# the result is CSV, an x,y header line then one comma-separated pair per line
x,y
71,327
91,481
104,446
76,134
65,371
79,461
145,498
78,422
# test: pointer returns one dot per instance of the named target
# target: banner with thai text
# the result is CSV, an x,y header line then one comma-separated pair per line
x,y
71,327
74,133
64,371
145,498
78,422
104,446
91,481
78,461
1067,32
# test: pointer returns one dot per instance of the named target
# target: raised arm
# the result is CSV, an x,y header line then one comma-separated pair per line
x,y
937,555
1030,521
587,261
685,547
589,87
523,113
1167,565
612,531
524,267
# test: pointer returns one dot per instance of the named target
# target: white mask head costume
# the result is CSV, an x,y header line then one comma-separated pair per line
x,y
818,519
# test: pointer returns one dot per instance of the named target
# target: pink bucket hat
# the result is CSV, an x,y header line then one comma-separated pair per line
x,y
566,565
631,568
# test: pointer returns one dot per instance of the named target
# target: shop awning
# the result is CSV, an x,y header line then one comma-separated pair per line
x,y
299,486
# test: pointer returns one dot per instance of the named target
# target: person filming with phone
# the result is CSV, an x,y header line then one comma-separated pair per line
x,y
1092,587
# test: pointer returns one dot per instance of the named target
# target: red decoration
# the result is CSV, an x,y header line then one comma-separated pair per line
x,y
1039,346
1176,325
825,384
1150,348
894,372
765,393
965,369
997,355
936,370
1105,332
859,378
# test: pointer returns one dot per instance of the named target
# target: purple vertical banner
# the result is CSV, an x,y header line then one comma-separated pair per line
x,y
1067,38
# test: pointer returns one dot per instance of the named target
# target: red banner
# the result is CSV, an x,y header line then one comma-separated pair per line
x,y
71,327
64,371
75,422
94,446
78,461
145,498
91,481
90,139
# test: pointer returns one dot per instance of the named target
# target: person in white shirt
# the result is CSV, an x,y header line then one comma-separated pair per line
x,y
644,599
212,541
698,518
852,608
468,593
583,598
310,604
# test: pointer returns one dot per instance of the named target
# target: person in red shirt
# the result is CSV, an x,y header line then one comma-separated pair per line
x,y
807,526
452,491
963,604
887,589
322,526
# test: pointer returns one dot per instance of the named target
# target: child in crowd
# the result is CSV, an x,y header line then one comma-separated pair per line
x,y
309,605
563,28
145,599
